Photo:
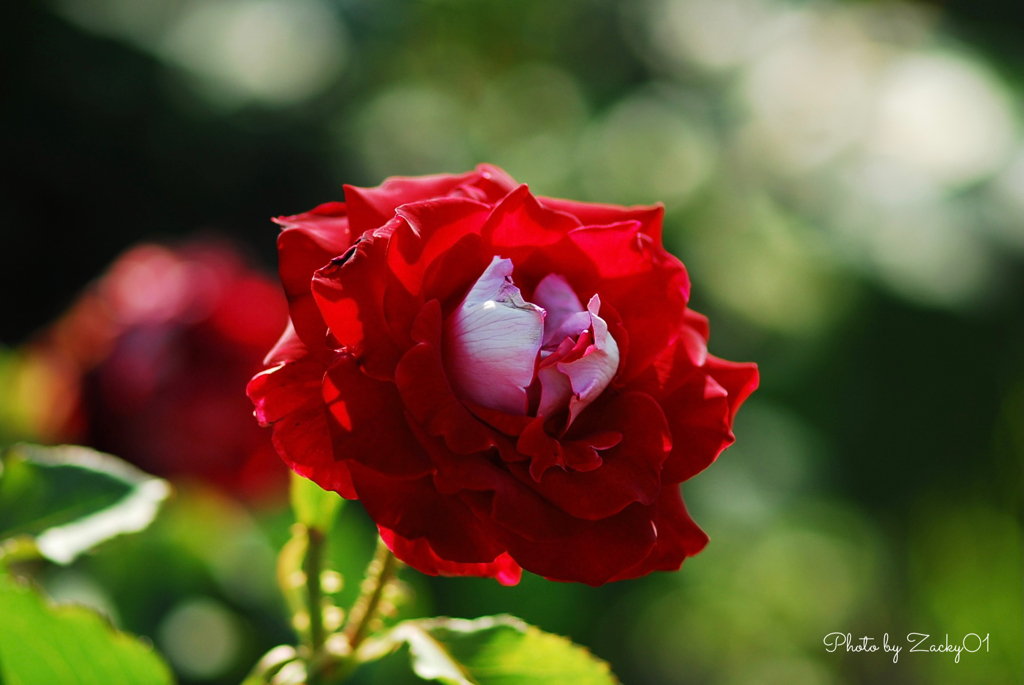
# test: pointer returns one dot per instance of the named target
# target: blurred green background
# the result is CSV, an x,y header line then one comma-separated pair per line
x,y
844,181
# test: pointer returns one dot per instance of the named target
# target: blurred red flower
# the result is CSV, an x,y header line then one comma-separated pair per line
x,y
150,364
505,381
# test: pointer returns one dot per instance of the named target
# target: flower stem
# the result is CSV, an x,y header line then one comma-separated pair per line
x,y
378,574
313,566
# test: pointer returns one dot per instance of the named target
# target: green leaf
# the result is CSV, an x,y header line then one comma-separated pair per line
x,y
494,650
63,501
42,644
314,507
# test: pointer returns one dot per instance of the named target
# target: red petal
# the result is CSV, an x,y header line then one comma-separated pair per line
x,y
647,286
595,214
415,509
287,397
427,394
698,416
678,537
738,379
308,242
429,229
287,348
426,233
367,423
629,471
373,207
350,294
419,554
520,224
546,541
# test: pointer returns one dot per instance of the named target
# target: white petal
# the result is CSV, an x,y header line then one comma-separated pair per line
x,y
558,299
492,341
555,388
590,374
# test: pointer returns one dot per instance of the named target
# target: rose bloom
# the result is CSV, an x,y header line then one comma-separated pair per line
x,y
149,364
505,381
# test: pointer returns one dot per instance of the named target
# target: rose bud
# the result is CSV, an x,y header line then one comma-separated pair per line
x,y
150,364
505,381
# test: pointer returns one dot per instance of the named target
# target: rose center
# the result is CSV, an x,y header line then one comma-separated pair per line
x,y
501,351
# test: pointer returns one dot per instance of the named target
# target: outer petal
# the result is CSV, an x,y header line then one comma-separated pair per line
x,y
308,242
373,207
595,214
368,424
419,554
678,537
430,232
700,395
738,379
350,294
700,416
288,348
415,509
370,208
520,224
646,285
538,535
546,541
287,397
492,341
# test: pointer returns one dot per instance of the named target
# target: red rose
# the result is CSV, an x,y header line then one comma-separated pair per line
x,y
505,381
149,363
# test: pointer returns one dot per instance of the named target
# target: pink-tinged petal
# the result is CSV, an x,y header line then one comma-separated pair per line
x,y
595,214
590,374
308,242
287,397
367,423
555,390
350,294
492,341
558,299
420,555
678,537
569,328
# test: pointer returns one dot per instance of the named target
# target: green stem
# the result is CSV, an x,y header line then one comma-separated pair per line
x,y
378,574
313,567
